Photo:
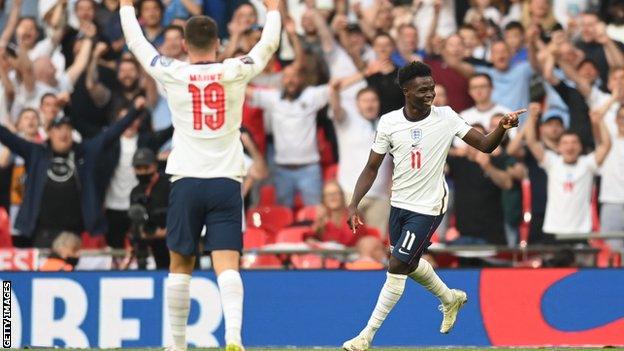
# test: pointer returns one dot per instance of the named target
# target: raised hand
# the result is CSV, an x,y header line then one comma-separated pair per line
x,y
510,120
289,26
100,49
139,103
271,4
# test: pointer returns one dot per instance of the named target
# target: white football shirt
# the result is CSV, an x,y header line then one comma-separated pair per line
x,y
206,101
419,151
612,171
568,209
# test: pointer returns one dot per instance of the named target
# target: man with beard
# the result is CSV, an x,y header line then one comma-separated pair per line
x,y
291,113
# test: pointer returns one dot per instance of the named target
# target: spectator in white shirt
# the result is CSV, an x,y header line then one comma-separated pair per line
x,y
355,131
291,114
570,177
612,186
480,90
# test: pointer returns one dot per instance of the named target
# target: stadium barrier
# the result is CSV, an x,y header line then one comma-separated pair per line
x,y
507,307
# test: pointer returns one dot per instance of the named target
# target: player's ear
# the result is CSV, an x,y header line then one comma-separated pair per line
x,y
184,47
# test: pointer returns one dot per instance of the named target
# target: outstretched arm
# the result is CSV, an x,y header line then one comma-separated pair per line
x,y
530,134
11,23
582,85
487,143
363,185
136,41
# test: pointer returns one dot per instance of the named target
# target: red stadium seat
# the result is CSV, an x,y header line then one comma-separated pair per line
x,y
5,230
292,235
269,218
255,238
267,196
525,225
313,262
90,241
308,213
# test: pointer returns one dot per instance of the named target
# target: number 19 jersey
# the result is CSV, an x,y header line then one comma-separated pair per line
x,y
419,150
205,100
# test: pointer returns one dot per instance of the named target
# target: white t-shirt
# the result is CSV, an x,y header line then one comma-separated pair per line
x,y
446,23
124,180
419,151
473,115
23,99
355,136
293,123
568,209
205,100
597,99
612,171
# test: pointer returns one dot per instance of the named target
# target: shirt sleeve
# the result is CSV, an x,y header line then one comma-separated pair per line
x,y
597,98
155,64
549,160
458,125
252,64
590,162
263,98
382,143
319,96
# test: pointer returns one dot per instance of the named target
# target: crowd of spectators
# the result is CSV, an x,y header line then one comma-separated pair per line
x,y
76,110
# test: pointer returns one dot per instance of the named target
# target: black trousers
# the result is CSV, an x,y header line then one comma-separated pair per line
x,y
118,226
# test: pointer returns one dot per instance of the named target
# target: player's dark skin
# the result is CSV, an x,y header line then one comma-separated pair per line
x,y
419,94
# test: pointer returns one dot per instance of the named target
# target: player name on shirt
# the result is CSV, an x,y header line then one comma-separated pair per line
x,y
419,151
205,77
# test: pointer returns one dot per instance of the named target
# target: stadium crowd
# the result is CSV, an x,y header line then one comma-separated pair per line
x,y
85,132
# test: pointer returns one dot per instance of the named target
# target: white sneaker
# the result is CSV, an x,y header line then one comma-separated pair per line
x,y
359,343
450,310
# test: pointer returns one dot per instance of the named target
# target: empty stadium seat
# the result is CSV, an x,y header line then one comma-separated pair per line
x,y
308,213
313,262
254,238
269,218
292,234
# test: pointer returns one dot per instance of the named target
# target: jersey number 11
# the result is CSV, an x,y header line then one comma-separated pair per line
x,y
214,98
416,156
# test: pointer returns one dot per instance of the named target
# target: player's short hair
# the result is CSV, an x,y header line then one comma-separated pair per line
x,y
92,2
413,70
403,26
483,75
586,61
366,90
201,32
514,25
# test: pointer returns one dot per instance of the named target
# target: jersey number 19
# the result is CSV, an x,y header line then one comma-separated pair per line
x,y
214,98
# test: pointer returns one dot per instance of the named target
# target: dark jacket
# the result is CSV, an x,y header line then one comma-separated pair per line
x,y
109,159
37,160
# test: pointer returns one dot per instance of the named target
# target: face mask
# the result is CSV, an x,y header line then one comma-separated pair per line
x,y
72,261
144,178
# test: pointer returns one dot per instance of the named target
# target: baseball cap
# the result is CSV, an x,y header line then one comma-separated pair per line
x,y
60,120
143,157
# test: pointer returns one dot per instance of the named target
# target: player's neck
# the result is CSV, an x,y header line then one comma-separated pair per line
x,y
202,58
416,113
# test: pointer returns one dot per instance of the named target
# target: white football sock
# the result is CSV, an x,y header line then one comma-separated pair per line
x,y
178,303
231,289
427,277
388,297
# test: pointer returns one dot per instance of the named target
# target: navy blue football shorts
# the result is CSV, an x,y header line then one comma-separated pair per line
x,y
410,233
215,203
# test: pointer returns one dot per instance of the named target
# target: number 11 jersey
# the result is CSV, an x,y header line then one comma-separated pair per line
x,y
419,151
205,100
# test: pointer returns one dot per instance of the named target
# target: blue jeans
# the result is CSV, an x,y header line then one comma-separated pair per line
x,y
306,180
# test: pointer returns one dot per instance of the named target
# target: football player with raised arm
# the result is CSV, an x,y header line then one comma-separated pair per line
x,y
206,163
418,136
